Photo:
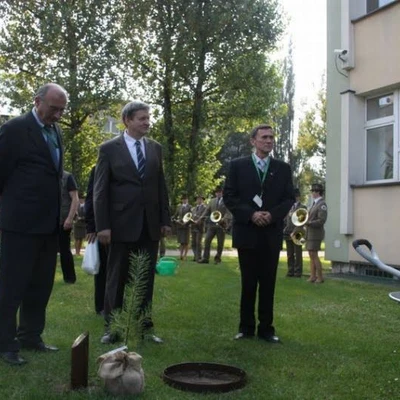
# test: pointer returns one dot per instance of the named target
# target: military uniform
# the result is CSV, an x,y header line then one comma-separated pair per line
x,y
294,252
182,230
315,233
216,229
197,230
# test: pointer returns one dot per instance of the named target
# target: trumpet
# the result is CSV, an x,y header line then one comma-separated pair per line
x,y
298,236
188,217
300,217
216,216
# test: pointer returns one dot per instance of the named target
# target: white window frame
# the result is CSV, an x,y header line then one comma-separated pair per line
x,y
378,123
381,3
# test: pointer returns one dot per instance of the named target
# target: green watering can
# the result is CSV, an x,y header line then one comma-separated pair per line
x,y
167,266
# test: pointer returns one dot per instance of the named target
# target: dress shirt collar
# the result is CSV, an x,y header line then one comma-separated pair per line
x,y
132,141
264,160
41,124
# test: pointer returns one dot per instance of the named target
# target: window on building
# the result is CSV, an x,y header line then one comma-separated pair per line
x,y
375,4
382,138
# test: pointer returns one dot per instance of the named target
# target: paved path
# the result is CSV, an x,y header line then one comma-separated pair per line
x,y
229,253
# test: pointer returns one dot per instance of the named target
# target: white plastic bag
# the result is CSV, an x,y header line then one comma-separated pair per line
x,y
91,259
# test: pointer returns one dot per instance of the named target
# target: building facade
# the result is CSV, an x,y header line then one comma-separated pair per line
x,y
363,131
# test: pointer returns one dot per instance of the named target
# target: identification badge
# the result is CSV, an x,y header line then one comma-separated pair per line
x,y
257,199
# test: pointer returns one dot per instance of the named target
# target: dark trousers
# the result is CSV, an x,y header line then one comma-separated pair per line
x,y
294,258
66,258
197,237
258,268
213,230
27,268
100,279
117,275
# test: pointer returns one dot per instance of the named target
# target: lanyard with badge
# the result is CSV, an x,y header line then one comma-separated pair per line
x,y
258,197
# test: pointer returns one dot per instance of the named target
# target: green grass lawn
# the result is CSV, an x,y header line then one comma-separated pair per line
x,y
340,339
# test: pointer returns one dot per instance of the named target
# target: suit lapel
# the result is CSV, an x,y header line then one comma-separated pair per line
x,y
125,156
272,171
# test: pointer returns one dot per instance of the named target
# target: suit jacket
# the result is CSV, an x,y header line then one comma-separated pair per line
x,y
242,184
122,199
30,184
317,217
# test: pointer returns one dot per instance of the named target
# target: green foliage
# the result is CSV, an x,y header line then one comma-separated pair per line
x,y
204,63
311,144
284,113
88,140
74,43
129,320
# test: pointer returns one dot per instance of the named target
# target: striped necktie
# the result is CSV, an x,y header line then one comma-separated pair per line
x,y
261,165
140,159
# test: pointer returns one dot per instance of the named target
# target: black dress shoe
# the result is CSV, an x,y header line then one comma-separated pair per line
x,y
152,338
203,262
270,339
242,335
110,338
38,347
12,358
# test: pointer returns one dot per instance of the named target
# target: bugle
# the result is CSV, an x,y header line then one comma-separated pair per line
x,y
300,217
188,217
298,236
216,216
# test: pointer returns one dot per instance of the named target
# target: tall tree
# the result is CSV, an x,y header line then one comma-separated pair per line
x,y
207,59
285,111
76,43
311,144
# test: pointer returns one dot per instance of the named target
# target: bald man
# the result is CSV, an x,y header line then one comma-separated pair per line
x,y
31,165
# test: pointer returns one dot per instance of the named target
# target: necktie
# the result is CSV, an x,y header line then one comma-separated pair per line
x,y
261,165
52,144
140,159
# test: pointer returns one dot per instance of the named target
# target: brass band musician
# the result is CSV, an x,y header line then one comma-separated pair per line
x,y
182,227
197,227
218,222
294,251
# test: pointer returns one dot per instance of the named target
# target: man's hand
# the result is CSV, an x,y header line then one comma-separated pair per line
x,y
91,237
67,225
165,230
261,218
104,236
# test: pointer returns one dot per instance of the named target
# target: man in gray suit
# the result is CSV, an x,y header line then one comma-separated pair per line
x,y
131,207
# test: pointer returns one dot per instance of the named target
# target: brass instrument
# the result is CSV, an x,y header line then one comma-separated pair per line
x,y
298,236
216,216
188,217
300,217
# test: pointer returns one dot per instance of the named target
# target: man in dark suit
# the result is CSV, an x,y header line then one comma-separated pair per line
x,y
30,178
131,207
259,193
